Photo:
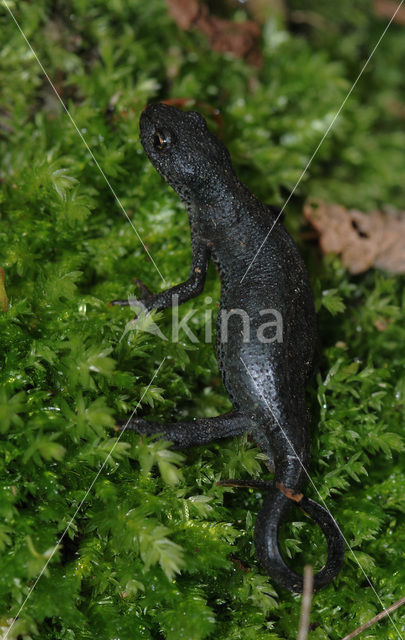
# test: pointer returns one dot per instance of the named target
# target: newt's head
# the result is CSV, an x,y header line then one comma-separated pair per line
x,y
183,150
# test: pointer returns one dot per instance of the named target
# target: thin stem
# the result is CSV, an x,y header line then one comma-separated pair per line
x,y
306,603
376,618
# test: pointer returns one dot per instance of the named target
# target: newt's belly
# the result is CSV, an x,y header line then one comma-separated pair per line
x,y
265,348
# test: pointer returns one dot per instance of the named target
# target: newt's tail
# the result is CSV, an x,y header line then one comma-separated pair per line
x,y
276,506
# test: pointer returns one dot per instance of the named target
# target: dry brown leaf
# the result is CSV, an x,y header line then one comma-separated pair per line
x,y
382,324
184,12
387,8
363,240
238,38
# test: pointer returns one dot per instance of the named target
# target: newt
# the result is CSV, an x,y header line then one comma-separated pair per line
x,y
265,376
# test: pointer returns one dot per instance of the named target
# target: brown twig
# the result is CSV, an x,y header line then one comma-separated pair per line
x,y
376,618
306,603
3,294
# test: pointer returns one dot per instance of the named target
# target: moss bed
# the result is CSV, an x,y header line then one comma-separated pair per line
x,y
157,550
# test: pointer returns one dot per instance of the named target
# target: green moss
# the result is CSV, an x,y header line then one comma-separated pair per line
x,y
157,550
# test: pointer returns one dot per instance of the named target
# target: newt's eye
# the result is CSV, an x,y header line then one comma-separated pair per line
x,y
161,140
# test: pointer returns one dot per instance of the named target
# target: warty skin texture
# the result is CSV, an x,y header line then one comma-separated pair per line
x,y
265,381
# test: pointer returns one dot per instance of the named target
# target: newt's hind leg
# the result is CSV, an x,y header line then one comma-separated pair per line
x,y
195,432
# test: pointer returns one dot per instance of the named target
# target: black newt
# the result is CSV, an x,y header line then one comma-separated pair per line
x,y
264,377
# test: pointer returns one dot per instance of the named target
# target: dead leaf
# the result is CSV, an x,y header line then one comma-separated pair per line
x,y
387,8
184,12
382,323
3,294
238,38
363,240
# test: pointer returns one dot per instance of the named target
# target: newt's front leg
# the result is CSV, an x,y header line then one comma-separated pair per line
x,y
184,291
195,432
